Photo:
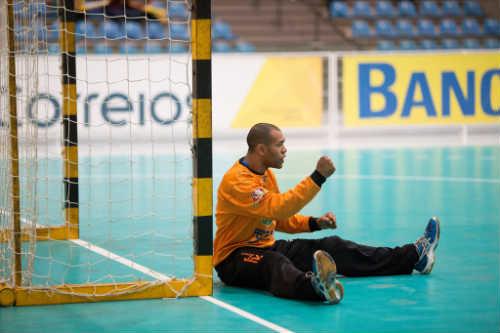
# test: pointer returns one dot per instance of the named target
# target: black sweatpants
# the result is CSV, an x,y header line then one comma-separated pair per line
x,y
284,269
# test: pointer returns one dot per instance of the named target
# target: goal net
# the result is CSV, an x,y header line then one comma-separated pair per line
x,y
102,196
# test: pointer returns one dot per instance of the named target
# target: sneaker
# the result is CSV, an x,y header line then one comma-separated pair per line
x,y
426,245
324,278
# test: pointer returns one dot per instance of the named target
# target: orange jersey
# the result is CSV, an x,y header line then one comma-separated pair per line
x,y
250,207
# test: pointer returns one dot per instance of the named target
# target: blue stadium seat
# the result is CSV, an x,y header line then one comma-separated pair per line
x,y
53,32
450,44
407,8
407,44
471,27
81,48
177,10
53,48
361,9
129,48
155,30
360,29
451,8
222,30
472,8
102,48
179,32
41,33
448,27
384,28
177,48
386,45
86,30
430,8
221,46
339,9
404,28
112,30
492,27
242,46
471,43
133,30
152,48
385,8
428,44
492,43
426,28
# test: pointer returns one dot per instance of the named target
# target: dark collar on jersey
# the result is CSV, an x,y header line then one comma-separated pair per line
x,y
242,162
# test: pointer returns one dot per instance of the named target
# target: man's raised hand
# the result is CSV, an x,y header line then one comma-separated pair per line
x,y
325,166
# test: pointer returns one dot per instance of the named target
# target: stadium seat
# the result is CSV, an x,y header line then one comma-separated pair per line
x,y
361,9
133,30
179,32
471,27
152,48
112,30
177,48
430,8
360,29
426,28
386,45
448,27
492,27
53,32
384,28
450,44
155,30
385,8
492,43
222,30
451,8
407,8
41,33
407,44
472,8
221,46
242,46
404,28
81,48
53,48
471,43
428,44
177,10
102,48
339,9
86,30
129,48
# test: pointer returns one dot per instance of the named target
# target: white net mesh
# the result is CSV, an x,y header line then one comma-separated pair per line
x,y
133,71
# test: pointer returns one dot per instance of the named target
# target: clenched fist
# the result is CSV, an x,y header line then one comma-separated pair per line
x,y
325,166
327,221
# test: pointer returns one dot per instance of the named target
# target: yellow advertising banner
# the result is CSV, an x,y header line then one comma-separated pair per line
x,y
288,92
421,89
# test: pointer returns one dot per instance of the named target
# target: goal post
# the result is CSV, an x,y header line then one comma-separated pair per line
x,y
123,232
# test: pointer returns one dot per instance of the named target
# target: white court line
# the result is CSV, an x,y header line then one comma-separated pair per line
x,y
162,277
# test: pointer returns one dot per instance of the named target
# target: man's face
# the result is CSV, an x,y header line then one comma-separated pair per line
x,y
275,151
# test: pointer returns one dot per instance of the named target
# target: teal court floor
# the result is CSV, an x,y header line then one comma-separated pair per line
x,y
381,197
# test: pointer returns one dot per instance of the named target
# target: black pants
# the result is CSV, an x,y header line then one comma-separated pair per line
x,y
283,269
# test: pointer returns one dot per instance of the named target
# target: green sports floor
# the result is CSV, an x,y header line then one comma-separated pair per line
x,y
381,197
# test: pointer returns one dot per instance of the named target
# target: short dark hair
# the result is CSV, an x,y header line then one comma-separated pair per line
x,y
260,133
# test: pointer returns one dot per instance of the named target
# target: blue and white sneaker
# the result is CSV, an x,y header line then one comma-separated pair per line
x,y
426,245
324,278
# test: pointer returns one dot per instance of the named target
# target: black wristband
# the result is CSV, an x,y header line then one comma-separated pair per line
x,y
318,178
313,224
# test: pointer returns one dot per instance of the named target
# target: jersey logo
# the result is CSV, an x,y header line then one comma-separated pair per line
x,y
252,257
257,195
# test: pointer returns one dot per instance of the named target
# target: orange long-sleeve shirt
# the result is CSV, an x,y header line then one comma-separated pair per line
x,y
250,207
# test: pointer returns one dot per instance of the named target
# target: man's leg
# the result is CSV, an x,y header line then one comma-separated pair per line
x,y
352,259
267,270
